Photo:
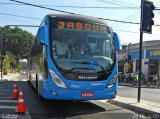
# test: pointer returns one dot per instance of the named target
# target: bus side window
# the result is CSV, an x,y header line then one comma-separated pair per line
x,y
45,62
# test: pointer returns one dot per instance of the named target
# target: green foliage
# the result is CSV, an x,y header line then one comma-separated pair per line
x,y
23,65
9,62
5,71
16,44
16,40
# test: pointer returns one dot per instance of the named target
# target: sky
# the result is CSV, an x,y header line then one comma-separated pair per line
x,y
129,11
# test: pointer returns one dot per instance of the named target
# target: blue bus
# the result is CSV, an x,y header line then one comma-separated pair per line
x,y
74,57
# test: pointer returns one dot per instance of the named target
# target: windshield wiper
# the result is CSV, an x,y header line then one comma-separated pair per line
x,y
75,68
92,63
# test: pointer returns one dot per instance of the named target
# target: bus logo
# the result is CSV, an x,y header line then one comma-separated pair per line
x,y
87,77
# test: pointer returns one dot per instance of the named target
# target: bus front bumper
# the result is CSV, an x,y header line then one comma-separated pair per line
x,y
70,94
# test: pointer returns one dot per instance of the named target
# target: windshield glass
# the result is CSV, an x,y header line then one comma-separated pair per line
x,y
82,51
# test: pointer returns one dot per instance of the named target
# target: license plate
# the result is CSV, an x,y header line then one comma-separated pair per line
x,y
87,94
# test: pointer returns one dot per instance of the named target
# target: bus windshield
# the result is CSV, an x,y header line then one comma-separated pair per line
x,y
77,52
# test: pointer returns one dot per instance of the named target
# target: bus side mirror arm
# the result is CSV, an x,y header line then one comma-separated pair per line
x,y
117,41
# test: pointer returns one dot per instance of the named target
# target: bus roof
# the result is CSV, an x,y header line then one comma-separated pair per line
x,y
78,17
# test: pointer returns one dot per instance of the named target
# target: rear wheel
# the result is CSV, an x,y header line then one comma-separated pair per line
x,y
30,83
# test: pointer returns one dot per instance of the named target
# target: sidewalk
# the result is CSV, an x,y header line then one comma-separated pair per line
x,y
131,85
14,77
144,107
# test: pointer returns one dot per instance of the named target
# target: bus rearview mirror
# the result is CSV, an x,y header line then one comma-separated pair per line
x,y
117,41
41,35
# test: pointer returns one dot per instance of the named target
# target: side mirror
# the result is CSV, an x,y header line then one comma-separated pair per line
x,y
117,41
41,35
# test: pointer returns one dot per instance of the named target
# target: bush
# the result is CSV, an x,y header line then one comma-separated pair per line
x,y
5,71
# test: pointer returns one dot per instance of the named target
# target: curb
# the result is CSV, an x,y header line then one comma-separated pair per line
x,y
136,109
2,81
125,85
137,87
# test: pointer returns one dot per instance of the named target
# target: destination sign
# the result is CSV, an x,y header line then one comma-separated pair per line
x,y
82,26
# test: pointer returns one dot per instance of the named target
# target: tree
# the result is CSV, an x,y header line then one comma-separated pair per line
x,y
16,40
9,61
16,44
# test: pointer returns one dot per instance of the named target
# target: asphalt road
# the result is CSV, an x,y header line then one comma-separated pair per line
x,y
148,94
58,109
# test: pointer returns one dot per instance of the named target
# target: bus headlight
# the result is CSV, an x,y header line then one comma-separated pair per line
x,y
57,80
111,83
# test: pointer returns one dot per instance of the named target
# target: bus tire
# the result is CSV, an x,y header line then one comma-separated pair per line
x,y
29,81
40,96
31,85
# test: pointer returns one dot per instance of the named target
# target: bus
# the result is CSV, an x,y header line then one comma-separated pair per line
x,y
74,57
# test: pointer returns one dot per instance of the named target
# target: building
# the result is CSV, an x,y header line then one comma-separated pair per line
x,y
150,59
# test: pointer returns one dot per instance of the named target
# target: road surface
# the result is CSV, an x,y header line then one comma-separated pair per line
x,y
38,109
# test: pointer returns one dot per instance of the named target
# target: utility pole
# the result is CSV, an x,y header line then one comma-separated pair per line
x,y
1,57
140,55
146,23
140,67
